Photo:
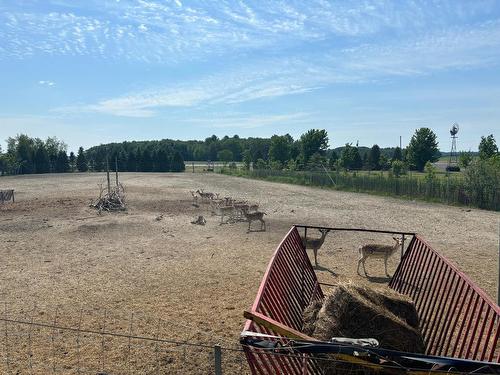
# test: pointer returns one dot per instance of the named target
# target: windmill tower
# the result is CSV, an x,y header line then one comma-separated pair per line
x,y
453,160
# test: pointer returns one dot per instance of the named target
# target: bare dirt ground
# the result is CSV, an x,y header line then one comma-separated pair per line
x,y
181,281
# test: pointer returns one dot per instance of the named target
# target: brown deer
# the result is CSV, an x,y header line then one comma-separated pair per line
x,y
254,216
377,251
315,243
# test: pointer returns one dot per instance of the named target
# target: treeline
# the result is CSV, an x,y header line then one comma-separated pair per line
x,y
26,155
144,156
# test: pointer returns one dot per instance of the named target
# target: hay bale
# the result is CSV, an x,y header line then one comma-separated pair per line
x,y
355,312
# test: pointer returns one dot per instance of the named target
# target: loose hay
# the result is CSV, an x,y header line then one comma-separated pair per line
x,y
358,312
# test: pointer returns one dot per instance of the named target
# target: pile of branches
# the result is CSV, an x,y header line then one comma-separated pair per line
x,y
114,200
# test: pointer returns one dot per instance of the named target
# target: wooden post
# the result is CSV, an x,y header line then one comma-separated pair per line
x,y
193,167
402,246
116,170
107,175
218,359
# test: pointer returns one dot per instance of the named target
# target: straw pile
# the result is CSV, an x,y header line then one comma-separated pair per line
x,y
359,312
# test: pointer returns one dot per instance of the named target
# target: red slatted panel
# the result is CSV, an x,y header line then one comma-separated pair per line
x,y
457,318
288,287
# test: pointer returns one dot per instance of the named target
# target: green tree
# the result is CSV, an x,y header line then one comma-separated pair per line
x,y
162,162
397,168
464,159
333,159
177,163
225,156
247,159
41,158
487,147
279,150
260,164
62,162
397,155
374,158
482,179
423,148
72,161
81,161
313,141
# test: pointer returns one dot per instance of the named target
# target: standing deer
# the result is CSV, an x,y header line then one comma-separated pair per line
x,y
315,243
377,251
254,216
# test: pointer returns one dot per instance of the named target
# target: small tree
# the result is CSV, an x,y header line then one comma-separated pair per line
x,y
247,159
397,168
225,156
72,161
333,159
313,141
423,148
279,149
260,164
464,159
81,161
62,163
397,155
374,158
487,147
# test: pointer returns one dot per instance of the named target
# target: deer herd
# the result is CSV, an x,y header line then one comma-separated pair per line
x,y
233,210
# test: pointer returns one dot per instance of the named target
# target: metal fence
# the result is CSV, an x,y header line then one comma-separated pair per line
x,y
6,195
457,318
447,189
95,341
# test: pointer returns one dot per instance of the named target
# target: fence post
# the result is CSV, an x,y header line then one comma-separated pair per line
x,y
402,246
218,359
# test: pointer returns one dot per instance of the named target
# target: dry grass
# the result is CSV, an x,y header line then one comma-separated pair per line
x,y
198,279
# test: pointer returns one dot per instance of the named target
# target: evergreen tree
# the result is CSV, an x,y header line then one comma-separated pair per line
x,y
132,161
423,148
62,163
397,155
72,161
162,162
146,162
81,161
177,163
42,163
333,159
374,158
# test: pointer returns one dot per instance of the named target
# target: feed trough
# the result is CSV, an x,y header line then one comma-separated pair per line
x,y
458,321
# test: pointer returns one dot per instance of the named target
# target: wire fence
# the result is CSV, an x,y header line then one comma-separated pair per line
x,y
96,341
449,190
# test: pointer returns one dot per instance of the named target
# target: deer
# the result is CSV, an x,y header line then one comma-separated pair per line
x,y
204,195
254,216
315,243
377,251
195,198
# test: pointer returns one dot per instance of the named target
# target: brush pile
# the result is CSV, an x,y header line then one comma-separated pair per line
x,y
114,200
361,312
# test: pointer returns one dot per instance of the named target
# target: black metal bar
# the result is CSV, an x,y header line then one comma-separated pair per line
x,y
356,230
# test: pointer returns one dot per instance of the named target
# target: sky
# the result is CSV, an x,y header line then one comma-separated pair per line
x,y
97,71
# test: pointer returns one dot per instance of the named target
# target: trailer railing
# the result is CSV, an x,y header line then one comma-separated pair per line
x,y
457,318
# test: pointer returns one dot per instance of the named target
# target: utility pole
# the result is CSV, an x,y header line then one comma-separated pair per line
x,y
116,170
107,174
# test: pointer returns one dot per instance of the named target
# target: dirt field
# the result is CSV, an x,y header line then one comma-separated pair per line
x,y
182,281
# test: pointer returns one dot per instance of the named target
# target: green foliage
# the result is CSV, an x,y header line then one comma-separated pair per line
x,y
398,168
292,165
225,156
316,162
384,163
81,161
312,142
332,161
247,159
397,155
374,158
482,179
430,172
423,148
72,161
487,147
177,163
279,149
260,164
350,158
275,165
464,159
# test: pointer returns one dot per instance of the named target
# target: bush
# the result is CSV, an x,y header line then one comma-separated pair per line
x,y
398,168
452,168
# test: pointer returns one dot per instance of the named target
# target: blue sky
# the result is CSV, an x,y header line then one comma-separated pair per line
x,y
92,72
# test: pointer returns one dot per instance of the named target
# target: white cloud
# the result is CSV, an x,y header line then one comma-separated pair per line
x,y
46,83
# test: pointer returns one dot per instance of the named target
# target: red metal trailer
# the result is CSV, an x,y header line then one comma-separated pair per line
x,y
457,318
